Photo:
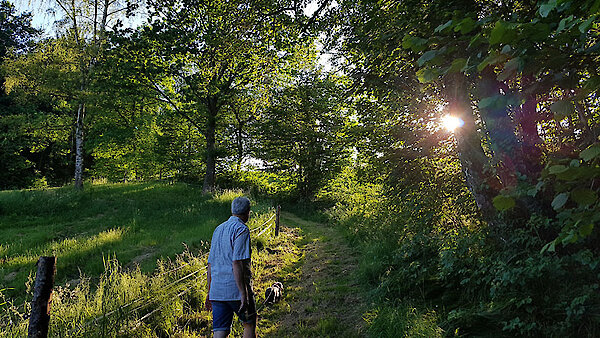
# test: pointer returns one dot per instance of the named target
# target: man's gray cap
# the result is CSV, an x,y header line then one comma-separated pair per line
x,y
240,206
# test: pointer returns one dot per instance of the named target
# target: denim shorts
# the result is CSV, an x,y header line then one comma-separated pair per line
x,y
223,313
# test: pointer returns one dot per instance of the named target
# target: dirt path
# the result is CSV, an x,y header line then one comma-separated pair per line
x,y
322,297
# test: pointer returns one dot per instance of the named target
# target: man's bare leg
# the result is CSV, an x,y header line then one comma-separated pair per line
x,y
221,334
249,330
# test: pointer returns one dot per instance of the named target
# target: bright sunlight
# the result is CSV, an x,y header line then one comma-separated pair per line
x,y
452,122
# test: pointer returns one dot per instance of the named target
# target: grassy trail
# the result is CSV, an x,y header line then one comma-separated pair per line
x,y
322,297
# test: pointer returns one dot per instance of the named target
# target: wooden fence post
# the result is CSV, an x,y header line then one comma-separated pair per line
x,y
39,319
277,212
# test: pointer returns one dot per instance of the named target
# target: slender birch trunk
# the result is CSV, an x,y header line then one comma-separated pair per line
x,y
97,36
79,136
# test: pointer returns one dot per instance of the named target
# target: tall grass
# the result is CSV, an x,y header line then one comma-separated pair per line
x,y
407,322
123,299
136,223
123,302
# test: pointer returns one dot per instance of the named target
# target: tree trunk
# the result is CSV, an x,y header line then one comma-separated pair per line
x,y
470,153
211,124
527,118
239,137
240,148
79,147
501,130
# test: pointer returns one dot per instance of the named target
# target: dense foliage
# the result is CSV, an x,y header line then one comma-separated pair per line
x,y
489,229
492,228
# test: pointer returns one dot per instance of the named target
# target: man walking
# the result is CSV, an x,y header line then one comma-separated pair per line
x,y
229,275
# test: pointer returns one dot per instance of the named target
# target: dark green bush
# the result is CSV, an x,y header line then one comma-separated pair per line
x,y
423,243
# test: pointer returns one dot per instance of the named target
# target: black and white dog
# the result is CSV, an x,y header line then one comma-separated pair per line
x,y
273,294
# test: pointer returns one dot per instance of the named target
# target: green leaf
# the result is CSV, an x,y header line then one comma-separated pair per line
x,y
492,59
590,153
442,27
562,109
427,56
427,75
498,101
570,238
481,66
476,41
502,203
533,191
539,185
557,169
570,174
414,43
506,49
465,26
586,229
497,33
550,247
407,42
592,83
510,69
584,197
545,9
560,200
457,65
563,23
583,28
539,31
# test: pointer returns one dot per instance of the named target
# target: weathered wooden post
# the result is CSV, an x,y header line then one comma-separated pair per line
x,y
42,293
277,212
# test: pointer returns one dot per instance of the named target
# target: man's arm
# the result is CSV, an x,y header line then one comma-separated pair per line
x,y
240,281
207,303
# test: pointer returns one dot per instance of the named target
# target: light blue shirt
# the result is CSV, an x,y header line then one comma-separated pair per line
x,y
230,242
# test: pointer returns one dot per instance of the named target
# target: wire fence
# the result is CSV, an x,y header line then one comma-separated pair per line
x,y
180,280
262,225
150,299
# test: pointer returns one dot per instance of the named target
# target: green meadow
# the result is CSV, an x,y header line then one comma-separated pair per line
x,y
136,223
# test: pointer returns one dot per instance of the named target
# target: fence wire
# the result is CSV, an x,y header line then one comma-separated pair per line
x,y
265,223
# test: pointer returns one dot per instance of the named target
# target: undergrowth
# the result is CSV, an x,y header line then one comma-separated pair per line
x,y
436,269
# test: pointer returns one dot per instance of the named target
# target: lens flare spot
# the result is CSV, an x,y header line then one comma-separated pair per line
x,y
452,122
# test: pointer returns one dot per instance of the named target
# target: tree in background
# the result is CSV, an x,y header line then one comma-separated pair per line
x,y
199,55
86,24
16,37
490,64
305,131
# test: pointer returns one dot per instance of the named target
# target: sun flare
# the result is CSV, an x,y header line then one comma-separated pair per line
x,y
452,122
